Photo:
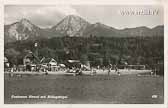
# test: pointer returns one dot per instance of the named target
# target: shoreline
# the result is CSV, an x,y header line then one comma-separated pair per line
x,y
98,72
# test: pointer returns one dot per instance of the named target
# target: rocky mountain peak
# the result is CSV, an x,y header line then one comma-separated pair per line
x,y
21,30
71,25
26,24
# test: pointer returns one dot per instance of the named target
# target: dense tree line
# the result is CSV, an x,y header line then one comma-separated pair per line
x,y
98,50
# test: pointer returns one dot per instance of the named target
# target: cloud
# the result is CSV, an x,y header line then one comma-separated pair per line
x,y
49,15
63,9
44,16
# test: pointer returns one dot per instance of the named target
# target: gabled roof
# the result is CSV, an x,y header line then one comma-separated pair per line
x,y
47,60
31,55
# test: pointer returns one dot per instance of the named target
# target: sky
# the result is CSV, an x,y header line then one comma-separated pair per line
x,y
117,16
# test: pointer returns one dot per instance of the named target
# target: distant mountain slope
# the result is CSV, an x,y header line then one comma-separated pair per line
x,y
143,31
157,31
101,30
138,31
73,26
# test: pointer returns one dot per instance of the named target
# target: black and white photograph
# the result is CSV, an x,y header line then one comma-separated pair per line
x,y
83,54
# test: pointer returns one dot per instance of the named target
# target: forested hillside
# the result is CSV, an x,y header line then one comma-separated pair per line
x,y
98,50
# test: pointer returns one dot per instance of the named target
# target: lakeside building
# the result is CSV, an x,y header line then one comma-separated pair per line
x,y
30,61
49,63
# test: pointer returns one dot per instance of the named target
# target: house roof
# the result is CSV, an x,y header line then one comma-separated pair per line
x,y
5,59
73,61
33,56
47,60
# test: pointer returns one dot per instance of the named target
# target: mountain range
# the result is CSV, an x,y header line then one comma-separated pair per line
x,y
73,26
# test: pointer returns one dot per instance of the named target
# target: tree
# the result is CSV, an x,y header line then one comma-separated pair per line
x,y
84,58
12,56
47,52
